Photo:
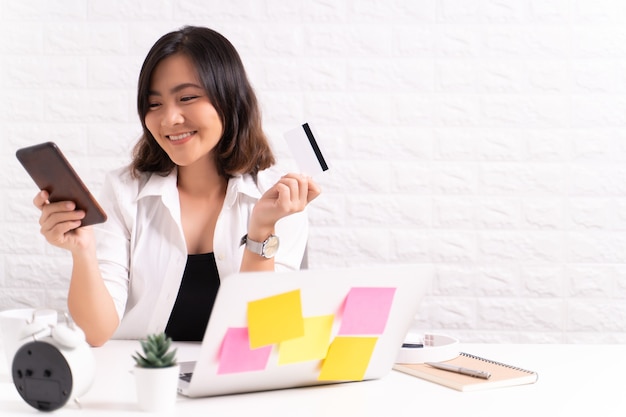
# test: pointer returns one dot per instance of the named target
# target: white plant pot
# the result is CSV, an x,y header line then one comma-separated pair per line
x,y
156,387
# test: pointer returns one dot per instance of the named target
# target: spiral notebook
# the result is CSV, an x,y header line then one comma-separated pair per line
x,y
502,375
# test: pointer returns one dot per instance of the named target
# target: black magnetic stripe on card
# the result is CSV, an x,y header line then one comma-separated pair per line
x,y
316,149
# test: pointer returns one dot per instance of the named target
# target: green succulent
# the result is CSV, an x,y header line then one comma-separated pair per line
x,y
156,352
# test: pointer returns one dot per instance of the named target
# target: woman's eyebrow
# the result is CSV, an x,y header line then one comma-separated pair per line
x,y
175,89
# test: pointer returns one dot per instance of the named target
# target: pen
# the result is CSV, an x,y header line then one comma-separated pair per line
x,y
412,345
460,370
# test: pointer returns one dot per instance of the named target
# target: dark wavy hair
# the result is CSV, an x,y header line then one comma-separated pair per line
x,y
243,147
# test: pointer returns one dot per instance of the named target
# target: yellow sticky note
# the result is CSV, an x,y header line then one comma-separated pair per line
x,y
312,346
275,319
347,358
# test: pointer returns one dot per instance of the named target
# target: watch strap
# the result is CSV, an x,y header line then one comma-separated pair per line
x,y
266,249
252,245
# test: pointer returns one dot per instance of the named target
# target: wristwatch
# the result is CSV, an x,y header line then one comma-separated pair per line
x,y
266,249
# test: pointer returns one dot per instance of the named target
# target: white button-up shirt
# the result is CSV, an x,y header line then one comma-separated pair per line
x,y
142,251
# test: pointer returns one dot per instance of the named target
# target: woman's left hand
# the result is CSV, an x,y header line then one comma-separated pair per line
x,y
289,195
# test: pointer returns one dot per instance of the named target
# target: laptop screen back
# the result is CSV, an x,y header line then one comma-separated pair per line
x,y
273,330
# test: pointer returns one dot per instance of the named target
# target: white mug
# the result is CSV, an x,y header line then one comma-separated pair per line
x,y
12,324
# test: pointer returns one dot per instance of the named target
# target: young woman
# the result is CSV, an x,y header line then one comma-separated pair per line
x,y
197,204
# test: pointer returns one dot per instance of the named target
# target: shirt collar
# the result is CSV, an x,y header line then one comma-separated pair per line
x,y
165,186
241,184
159,185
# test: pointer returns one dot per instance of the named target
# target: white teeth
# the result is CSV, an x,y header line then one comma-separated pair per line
x,y
179,137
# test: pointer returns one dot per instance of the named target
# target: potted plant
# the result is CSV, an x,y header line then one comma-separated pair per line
x,y
156,373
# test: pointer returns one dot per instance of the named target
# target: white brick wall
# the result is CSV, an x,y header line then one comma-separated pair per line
x,y
486,137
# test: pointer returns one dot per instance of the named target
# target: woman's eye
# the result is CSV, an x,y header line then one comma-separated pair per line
x,y
188,98
153,105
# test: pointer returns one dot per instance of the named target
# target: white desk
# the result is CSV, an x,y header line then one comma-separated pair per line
x,y
574,380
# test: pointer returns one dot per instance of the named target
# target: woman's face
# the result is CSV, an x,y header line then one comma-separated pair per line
x,y
180,117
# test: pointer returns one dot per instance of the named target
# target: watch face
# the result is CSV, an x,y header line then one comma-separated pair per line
x,y
270,246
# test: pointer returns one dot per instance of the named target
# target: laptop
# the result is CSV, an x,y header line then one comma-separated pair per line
x,y
276,330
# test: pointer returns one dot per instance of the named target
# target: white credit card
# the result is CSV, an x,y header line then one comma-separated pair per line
x,y
306,150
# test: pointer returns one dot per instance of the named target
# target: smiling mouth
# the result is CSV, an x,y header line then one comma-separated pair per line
x,y
179,137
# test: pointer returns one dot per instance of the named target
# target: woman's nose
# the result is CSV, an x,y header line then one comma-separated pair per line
x,y
172,116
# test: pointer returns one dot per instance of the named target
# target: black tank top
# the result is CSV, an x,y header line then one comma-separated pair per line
x,y
194,302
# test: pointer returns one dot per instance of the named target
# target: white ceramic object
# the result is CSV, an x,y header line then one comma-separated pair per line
x,y
12,325
157,388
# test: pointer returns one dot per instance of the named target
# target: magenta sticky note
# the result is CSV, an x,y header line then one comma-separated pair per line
x,y
366,310
236,355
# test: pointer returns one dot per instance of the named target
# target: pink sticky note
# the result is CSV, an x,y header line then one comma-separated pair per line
x,y
236,355
366,310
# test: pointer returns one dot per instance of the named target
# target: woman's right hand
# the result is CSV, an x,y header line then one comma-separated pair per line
x,y
60,223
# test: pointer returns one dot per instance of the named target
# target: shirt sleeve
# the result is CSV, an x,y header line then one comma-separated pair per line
x,y
292,231
113,240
